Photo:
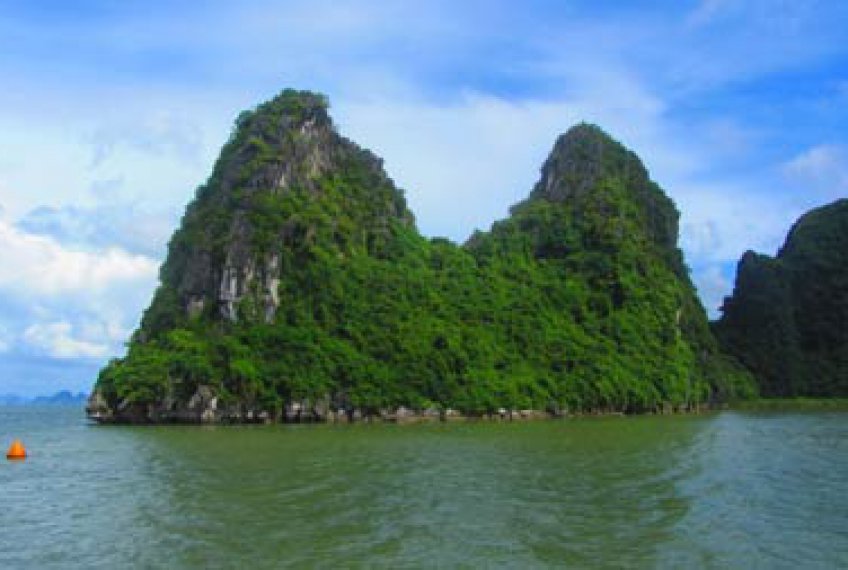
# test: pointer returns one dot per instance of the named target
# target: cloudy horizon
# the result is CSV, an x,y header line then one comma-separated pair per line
x,y
113,114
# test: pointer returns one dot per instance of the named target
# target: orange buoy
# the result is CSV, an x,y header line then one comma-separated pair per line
x,y
17,450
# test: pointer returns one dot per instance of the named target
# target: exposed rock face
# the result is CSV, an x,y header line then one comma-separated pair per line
x,y
98,408
786,320
583,156
287,145
203,407
575,165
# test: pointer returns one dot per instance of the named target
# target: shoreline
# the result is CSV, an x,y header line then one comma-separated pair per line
x,y
800,403
400,416
410,417
205,408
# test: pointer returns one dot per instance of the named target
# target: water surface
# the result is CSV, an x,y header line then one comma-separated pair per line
x,y
714,491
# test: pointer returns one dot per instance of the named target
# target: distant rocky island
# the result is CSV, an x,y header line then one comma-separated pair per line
x,y
298,288
62,398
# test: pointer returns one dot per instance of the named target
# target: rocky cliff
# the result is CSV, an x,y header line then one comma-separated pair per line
x,y
282,179
786,320
298,288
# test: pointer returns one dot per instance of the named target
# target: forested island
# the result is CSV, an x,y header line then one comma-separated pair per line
x,y
787,320
298,288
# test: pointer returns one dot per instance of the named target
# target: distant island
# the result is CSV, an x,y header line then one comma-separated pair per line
x,y
11,400
62,398
298,288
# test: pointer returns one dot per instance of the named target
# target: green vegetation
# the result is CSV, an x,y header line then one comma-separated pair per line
x,y
578,301
786,320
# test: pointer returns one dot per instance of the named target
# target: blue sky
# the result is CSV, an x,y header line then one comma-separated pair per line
x,y
111,114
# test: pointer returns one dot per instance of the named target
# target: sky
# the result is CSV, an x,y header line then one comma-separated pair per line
x,y
112,114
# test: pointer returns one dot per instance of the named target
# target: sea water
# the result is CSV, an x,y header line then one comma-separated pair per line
x,y
723,490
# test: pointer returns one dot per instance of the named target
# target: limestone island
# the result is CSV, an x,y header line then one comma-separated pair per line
x,y
297,288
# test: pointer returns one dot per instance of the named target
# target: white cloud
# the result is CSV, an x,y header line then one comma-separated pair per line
x,y
152,151
161,133
129,226
56,339
721,221
38,265
65,303
465,162
821,171
108,328
25,179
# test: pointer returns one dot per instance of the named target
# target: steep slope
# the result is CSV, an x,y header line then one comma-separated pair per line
x,y
298,288
600,240
285,182
786,320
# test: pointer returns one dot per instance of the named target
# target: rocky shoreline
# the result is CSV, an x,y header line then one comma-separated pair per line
x,y
204,407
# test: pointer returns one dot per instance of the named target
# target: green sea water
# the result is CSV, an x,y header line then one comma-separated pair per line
x,y
727,490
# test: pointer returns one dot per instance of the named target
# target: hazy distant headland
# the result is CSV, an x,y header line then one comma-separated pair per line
x,y
61,398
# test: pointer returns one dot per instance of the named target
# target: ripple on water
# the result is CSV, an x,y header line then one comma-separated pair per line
x,y
723,490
